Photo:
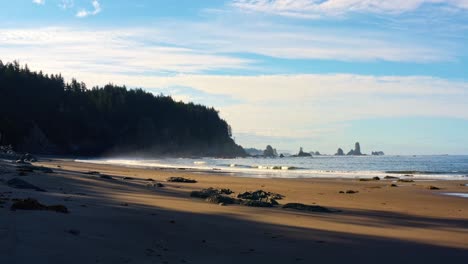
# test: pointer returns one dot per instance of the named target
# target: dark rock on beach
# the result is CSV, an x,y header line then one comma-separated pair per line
x,y
260,198
221,199
205,193
310,208
180,179
107,177
33,204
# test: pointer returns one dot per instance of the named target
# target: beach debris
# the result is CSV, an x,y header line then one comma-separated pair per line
x,y
257,203
93,173
260,195
160,185
180,179
405,180
341,192
391,178
260,198
205,193
215,196
226,191
221,199
128,178
433,188
351,192
21,184
27,158
149,179
33,204
310,208
107,177
393,185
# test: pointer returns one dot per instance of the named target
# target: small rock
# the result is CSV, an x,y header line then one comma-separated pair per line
x,y
433,188
107,177
180,179
304,207
33,204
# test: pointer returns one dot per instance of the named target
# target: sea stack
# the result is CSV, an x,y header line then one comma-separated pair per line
x,y
357,149
339,152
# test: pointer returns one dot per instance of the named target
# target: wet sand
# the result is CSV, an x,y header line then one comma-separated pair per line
x,y
132,221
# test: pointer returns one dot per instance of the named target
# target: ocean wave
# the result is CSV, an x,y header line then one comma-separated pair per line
x,y
416,172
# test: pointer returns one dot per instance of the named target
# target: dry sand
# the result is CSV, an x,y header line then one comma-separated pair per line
x,y
131,221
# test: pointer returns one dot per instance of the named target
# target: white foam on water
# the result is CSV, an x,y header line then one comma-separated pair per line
x,y
463,195
254,168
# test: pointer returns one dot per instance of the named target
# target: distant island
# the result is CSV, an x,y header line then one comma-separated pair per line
x,y
43,114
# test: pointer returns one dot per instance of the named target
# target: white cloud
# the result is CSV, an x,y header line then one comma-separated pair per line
x,y
105,51
95,11
320,8
307,107
296,42
66,4
39,2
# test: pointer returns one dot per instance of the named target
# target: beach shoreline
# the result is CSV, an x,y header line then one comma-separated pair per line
x,y
126,218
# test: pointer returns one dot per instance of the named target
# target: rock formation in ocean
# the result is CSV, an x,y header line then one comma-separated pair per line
x,y
270,152
302,153
339,152
378,153
356,151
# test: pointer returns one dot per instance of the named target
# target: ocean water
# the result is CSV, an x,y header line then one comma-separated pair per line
x,y
418,167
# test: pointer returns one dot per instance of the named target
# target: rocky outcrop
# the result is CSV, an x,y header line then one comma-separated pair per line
x,y
339,152
302,153
378,153
356,151
270,152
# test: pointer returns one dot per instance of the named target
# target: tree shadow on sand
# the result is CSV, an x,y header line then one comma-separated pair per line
x,y
141,233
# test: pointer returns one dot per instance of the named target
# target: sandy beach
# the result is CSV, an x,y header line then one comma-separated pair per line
x,y
125,218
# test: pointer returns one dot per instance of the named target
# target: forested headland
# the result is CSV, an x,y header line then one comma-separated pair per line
x,y
43,114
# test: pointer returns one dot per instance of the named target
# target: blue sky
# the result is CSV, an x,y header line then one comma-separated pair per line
x,y
317,74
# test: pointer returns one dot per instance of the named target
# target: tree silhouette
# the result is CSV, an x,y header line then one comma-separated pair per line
x,y
104,120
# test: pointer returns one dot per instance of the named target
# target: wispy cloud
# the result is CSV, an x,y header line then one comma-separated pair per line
x,y
321,8
302,105
66,4
85,13
106,51
39,2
